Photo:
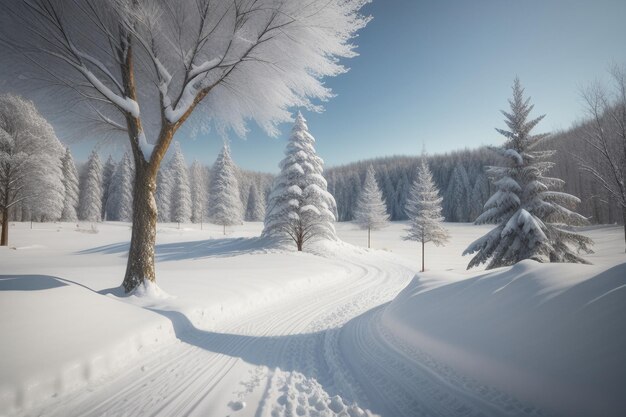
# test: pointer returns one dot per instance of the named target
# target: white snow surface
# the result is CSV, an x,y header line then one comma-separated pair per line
x,y
238,326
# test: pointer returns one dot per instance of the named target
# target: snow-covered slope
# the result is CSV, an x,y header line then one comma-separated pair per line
x,y
245,329
57,336
64,325
549,334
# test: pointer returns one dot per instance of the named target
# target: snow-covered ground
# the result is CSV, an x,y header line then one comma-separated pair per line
x,y
242,329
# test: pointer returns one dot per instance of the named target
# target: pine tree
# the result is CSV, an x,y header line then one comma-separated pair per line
x,y
120,202
164,194
107,177
90,207
198,192
457,195
70,184
371,210
529,215
225,206
402,191
479,196
424,211
300,208
255,209
181,192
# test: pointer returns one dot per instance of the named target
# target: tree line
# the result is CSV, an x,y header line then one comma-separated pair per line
x,y
222,193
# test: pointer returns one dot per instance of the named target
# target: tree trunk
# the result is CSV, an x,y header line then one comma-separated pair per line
x,y
369,233
4,239
140,264
224,229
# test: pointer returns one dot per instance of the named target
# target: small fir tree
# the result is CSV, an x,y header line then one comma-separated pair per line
x,y
181,191
255,209
70,184
529,214
120,203
300,208
164,194
107,178
197,177
225,206
91,191
371,210
424,210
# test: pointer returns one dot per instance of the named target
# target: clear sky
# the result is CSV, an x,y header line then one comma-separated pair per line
x,y
437,72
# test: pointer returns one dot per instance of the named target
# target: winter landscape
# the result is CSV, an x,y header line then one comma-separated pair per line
x,y
204,213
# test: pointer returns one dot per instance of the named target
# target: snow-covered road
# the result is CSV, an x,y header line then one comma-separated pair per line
x,y
280,360
279,333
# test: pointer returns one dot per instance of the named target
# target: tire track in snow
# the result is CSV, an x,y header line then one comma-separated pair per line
x,y
401,380
290,333
314,352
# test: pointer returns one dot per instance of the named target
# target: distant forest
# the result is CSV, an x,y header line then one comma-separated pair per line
x,y
459,175
463,183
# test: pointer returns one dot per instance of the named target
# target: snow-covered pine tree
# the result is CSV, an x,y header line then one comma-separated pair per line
x,y
90,207
164,194
529,215
225,206
120,203
479,196
197,180
371,210
107,177
255,209
424,210
299,206
70,184
181,192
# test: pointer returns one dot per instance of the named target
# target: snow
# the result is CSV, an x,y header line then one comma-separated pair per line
x,y
146,148
126,104
240,326
547,334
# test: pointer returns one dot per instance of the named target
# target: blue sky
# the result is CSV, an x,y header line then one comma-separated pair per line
x,y
438,72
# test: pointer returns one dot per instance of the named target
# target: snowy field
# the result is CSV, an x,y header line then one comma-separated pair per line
x,y
241,328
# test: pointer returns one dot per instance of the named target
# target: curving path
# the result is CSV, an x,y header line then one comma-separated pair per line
x,y
319,353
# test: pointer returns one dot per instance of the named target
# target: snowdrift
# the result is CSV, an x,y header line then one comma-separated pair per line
x,y
57,336
552,334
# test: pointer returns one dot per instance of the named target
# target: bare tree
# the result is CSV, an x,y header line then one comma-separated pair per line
x,y
144,66
606,136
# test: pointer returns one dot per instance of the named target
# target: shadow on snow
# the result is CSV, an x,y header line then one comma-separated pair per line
x,y
198,249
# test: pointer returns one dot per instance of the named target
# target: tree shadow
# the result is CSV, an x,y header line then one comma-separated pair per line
x,y
211,248
298,353
29,282
197,249
257,350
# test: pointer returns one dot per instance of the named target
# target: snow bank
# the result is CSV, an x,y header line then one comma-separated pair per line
x,y
65,322
57,336
552,334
